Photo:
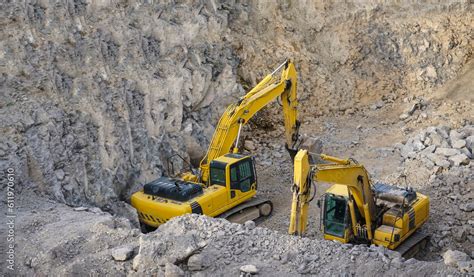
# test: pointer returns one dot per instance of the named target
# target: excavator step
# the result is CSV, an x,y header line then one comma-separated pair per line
x,y
416,242
254,209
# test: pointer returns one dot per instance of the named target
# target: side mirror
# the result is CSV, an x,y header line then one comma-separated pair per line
x,y
319,203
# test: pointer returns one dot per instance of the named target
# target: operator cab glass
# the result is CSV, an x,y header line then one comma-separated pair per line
x,y
217,172
335,215
242,175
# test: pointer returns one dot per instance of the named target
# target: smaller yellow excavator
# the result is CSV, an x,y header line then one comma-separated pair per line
x,y
354,210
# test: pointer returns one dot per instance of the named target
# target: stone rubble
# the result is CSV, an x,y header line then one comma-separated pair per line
x,y
217,247
435,166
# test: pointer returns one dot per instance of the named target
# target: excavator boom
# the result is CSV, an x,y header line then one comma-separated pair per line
x,y
228,129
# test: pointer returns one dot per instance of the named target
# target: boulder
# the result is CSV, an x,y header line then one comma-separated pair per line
x,y
436,139
453,258
447,151
125,210
438,160
418,145
172,270
403,116
250,268
443,131
455,135
314,145
406,150
249,145
60,174
466,152
469,207
470,143
200,261
460,159
122,253
429,149
249,224
458,144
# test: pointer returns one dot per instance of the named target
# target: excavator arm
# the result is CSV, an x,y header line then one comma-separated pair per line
x,y
226,135
339,171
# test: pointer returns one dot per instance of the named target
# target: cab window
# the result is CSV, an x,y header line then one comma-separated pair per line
x,y
242,175
233,174
217,173
335,215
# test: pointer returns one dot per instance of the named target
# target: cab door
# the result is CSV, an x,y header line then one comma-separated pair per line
x,y
242,179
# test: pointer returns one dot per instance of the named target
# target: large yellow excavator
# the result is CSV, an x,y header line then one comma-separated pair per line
x,y
226,182
354,209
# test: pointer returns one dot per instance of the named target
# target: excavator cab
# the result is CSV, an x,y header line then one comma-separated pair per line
x,y
335,214
234,171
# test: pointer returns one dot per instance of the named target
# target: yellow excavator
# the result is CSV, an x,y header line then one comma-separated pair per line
x,y
225,184
355,210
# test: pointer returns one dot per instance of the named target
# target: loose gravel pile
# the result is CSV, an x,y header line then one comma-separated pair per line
x,y
199,245
439,162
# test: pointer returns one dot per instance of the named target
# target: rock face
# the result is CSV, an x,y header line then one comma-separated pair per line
x,y
95,97
92,101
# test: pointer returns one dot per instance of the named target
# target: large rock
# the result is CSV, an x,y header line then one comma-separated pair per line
x,y
460,159
455,135
250,268
201,261
172,270
447,151
418,145
249,145
407,150
458,144
314,145
470,143
428,150
123,209
466,152
454,257
469,207
438,160
122,253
